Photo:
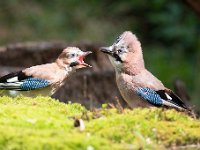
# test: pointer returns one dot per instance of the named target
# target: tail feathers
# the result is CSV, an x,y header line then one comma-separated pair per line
x,y
169,104
13,81
10,86
172,100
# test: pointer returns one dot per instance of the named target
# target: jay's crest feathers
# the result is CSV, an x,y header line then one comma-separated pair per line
x,y
50,75
126,54
137,85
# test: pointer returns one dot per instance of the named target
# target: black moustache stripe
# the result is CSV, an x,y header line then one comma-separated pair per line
x,y
74,64
117,58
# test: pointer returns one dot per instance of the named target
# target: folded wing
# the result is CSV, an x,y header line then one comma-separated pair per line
x,y
21,82
161,98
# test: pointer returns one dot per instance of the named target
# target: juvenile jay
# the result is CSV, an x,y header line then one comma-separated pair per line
x,y
45,79
137,85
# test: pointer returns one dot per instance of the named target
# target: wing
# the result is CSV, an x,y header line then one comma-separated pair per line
x,y
171,97
21,82
161,98
14,77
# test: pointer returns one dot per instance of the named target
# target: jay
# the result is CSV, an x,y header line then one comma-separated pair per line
x,y
45,79
137,85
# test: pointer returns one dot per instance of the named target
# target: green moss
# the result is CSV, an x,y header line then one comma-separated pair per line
x,y
45,123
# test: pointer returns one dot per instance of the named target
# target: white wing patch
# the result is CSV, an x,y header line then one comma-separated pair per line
x,y
168,97
14,79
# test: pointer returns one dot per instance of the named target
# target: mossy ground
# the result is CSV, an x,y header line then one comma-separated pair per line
x,y
45,123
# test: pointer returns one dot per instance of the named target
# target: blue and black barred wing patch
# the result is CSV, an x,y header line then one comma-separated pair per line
x,y
150,96
33,84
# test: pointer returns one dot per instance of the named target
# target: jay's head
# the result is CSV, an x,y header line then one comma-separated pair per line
x,y
73,57
125,48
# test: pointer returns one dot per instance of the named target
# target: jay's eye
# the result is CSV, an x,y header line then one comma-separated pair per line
x,y
71,55
119,51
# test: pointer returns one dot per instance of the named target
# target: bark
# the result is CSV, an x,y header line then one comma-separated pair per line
x,y
195,5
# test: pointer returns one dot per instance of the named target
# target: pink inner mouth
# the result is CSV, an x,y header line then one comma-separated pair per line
x,y
81,59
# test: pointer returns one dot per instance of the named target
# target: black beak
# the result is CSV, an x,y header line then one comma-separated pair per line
x,y
107,50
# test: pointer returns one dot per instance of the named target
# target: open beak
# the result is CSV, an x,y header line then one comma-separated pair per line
x,y
82,64
107,50
86,53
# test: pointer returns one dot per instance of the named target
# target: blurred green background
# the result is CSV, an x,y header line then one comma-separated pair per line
x,y
169,30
